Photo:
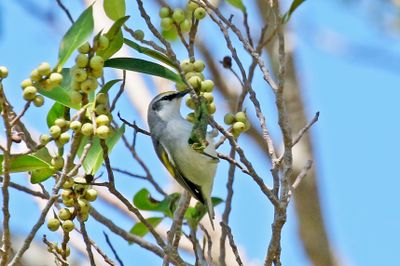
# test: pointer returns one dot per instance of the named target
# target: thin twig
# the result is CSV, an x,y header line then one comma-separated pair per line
x,y
305,129
232,242
113,249
120,91
18,117
66,11
87,242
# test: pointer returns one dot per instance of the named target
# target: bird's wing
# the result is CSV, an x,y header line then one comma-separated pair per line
x,y
174,170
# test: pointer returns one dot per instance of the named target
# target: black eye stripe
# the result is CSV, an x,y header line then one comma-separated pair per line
x,y
168,97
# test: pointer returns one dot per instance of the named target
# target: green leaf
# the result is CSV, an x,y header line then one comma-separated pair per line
x,y
115,37
144,201
147,51
94,158
40,175
238,4
142,66
114,8
295,4
24,163
56,111
141,230
77,34
193,215
109,85
61,94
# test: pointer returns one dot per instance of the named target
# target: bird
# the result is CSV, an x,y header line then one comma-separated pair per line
x,y
170,132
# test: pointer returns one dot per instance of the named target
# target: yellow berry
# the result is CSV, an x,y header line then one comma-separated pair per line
x,y
239,127
53,224
91,194
55,131
35,76
241,117
208,96
64,138
178,15
78,74
96,62
101,98
61,122
57,162
87,129
68,226
64,214
190,103
186,66
185,25
102,120
84,48
195,82
44,69
198,66
55,79
76,97
67,194
200,13
138,35
103,132
69,183
101,109
192,6
166,23
44,139
38,100
75,125
180,86
103,42
229,119
3,72
211,108
89,85
164,12
25,83
82,60
29,93
207,85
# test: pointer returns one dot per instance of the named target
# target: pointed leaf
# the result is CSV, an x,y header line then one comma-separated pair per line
x,y
77,34
141,230
94,158
147,51
144,201
295,4
24,163
115,37
238,4
109,85
56,111
114,8
142,66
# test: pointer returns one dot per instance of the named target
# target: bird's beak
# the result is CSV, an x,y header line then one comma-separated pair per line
x,y
182,93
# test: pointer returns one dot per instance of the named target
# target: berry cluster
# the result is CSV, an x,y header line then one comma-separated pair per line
x,y
194,75
88,67
41,77
180,19
76,196
239,123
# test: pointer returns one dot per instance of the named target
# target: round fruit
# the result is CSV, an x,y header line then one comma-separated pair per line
x,y
38,100
241,117
55,79
25,83
180,86
198,66
207,85
164,12
229,119
87,129
101,98
89,85
61,122
69,202
208,96
78,74
166,23
84,205
3,72
239,127
91,194
186,66
97,73
178,15
200,13
57,162
211,108
53,224
64,214
67,194
96,62
29,93
103,132
84,48
44,139
138,35
55,131
44,69
102,120
190,103
185,25
69,183
101,109
64,138
81,60
35,76
103,43
68,226
75,125
195,82
192,6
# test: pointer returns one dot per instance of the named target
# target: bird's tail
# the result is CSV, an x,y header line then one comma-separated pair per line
x,y
210,210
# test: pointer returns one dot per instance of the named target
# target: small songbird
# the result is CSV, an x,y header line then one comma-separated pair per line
x,y
170,133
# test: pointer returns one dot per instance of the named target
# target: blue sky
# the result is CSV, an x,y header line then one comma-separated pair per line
x,y
347,67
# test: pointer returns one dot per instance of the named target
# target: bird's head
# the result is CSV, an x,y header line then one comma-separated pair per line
x,y
166,105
